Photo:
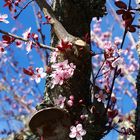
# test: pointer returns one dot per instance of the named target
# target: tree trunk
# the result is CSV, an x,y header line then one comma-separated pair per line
x,y
137,120
76,16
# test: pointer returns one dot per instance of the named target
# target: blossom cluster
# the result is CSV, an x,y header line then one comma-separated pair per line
x,y
114,56
61,71
27,35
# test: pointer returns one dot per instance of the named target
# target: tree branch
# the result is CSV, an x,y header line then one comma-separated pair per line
x,y
58,28
25,40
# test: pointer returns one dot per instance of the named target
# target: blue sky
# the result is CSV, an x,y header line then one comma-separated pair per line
x,y
26,20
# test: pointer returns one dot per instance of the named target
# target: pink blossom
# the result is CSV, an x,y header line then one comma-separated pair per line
x,y
61,71
84,116
60,102
35,36
26,34
19,43
53,56
70,103
77,132
101,97
108,45
57,78
3,18
106,35
29,46
38,74
117,41
2,48
61,65
71,97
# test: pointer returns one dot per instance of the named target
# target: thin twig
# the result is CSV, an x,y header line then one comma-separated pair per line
x,y
103,74
129,6
115,74
23,9
99,70
41,35
25,40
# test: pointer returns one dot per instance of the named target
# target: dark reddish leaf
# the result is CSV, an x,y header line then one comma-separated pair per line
x,y
18,43
131,29
118,72
7,39
112,113
127,15
16,3
113,99
86,38
64,45
31,69
48,70
60,48
8,4
28,72
128,22
91,53
120,12
1,49
121,4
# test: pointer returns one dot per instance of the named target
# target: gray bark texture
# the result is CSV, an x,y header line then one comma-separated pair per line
x,y
75,16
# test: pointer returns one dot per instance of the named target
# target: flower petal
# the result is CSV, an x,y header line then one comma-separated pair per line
x,y
4,16
73,128
82,132
79,137
79,127
72,135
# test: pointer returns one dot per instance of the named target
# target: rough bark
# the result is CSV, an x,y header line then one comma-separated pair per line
x,y
137,124
137,115
75,17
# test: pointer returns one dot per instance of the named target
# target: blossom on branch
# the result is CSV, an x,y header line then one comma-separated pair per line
x,y
29,46
26,34
35,75
38,75
61,71
101,97
53,56
60,102
19,43
2,48
77,132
